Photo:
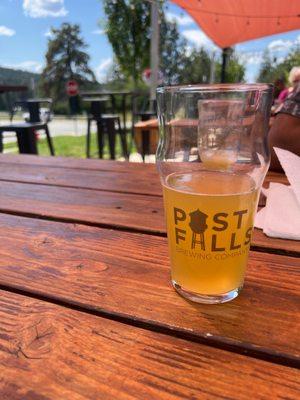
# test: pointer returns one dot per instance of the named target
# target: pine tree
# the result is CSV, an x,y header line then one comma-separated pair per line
x,y
66,59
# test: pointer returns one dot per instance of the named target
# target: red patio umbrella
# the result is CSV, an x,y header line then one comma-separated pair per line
x,y
228,22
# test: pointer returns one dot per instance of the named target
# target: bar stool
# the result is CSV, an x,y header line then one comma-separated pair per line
x,y
107,125
25,131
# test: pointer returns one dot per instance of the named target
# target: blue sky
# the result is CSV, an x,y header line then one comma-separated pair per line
x,y
25,24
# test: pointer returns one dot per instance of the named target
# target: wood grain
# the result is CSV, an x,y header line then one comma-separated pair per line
x,y
50,352
127,275
276,177
100,165
109,209
77,163
125,182
102,175
118,210
261,242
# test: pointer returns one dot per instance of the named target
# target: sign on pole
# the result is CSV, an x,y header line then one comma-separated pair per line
x,y
72,88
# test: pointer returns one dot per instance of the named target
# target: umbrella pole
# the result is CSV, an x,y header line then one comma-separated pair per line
x,y
154,56
225,53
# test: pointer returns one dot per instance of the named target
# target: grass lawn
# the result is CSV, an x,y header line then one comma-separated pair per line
x,y
71,146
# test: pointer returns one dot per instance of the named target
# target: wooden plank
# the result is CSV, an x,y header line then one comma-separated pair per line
x,y
93,205
51,352
262,242
125,182
118,210
149,124
100,165
109,209
127,275
77,163
113,176
275,177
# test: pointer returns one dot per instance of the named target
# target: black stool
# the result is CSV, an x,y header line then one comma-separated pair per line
x,y
26,130
107,125
26,136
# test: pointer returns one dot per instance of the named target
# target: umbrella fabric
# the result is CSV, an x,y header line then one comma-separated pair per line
x,y
228,22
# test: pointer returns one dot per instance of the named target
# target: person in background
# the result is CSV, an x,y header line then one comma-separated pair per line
x,y
285,129
280,91
283,94
294,78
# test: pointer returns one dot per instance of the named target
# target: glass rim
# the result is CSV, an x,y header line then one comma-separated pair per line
x,y
216,87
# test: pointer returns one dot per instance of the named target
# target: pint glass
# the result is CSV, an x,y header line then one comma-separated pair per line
x,y
212,158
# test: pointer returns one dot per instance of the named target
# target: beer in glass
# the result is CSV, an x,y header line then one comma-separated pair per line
x,y
212,158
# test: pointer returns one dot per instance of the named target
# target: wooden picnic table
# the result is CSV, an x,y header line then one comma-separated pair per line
x,y
87,308
146,133
146,136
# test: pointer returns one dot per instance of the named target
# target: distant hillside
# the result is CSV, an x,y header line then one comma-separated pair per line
x,y
10,76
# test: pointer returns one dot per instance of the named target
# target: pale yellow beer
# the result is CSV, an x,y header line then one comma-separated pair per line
x,y
209,220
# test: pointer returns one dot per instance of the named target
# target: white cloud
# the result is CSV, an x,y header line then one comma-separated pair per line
x,y
181,20
102,69
251,74
280,45
30,66
199,39
280,60
98,32
188,50
297,40
48,33
44,8
5,31
253,58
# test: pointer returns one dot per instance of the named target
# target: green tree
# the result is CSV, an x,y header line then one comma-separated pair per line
x,y
173,52
271,70
195,67
292,59
66,59
115,79
235,70
128,30
268,71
